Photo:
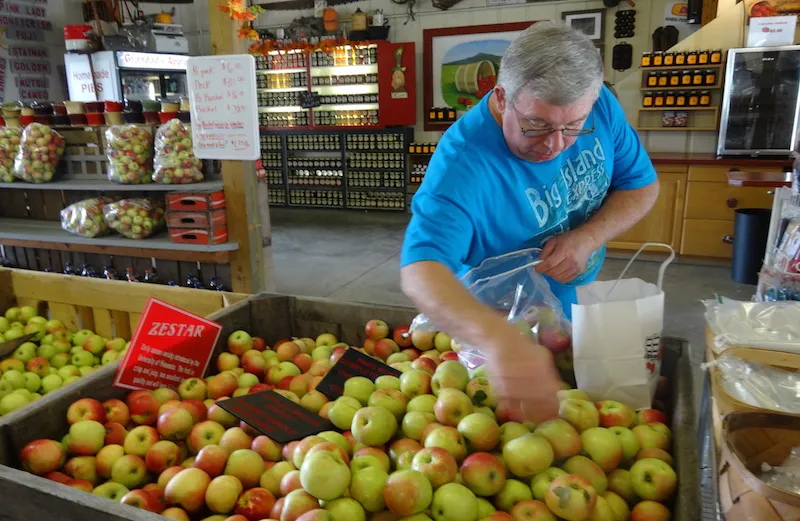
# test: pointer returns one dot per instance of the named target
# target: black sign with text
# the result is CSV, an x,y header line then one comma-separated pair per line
x,y
309,100
352,363
279,418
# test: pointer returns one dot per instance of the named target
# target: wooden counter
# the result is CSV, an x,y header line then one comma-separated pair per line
x,y
696,207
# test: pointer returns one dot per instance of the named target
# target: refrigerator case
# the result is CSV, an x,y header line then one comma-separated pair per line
x,y
761,102
125,74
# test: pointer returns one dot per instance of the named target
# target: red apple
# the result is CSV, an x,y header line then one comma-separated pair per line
x,y
187,489
571,497
376,329
385,347
401,336
651,416
483,473
223,384
650,511
259,344
196,408
615,414
115,433
143,500
297,503
175,424
144,409
255,504
86,409
116,411
42,456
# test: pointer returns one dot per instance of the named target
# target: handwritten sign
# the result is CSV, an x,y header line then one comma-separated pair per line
x,y
352,363
309,100
224,107
279,418
169,346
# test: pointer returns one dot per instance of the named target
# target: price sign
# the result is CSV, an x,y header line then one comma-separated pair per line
x,y
352,363
309,100
222,90
169,346
279,418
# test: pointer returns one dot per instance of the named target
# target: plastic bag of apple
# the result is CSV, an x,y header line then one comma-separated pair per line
x,y
39,153
10,138
54,357
431,444
85,218
135,218
175,162
129,149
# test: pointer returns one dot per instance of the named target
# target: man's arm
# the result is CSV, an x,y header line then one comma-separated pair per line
x,y
565,255
521,372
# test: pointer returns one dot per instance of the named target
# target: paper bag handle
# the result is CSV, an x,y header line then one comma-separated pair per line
x,y
661,270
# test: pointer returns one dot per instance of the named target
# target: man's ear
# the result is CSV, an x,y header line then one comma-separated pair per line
x,y
500,98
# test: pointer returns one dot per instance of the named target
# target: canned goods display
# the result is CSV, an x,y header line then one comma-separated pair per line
x,y
346,118
283,80
344,56
308,162
368,141
277,196
386,160
270,142
417,174
315,177
271,160
375,179
345,79
324,198
376,200
313,142
278,99
344,99
274,177
281,60
284,119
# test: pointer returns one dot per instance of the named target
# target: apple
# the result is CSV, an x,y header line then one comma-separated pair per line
x,y
255,504
110,490
615,414
422,340
407,492
447,438
221,416
314,401
271,478
650,511
196,408
386,348
303,447
223,384
653,479
481,433
211,459
94,344
144,408
82,468
326,339
454,502
512,493
562,436
365,461
511,430
619,508
234,439
571,497
106,458
115,433
581,414
414,423
527,455
42,456
86,437
449,375
583,466
297,503
116,411
531,510
451,406
192,388
422,403
645,416
268,449
204,433
239,342
619,482
376,329
277,373
653,436
175,424
178,514
390,399
602,511
603,447
424,364
414,383
367,486
360,388
187,489
86,409
373,426
403,450
325,475
657,454
130,471
162,455
287,351
289,482
227,361
139,440
480,392
246,465
628,441
483,473
143,500
442,342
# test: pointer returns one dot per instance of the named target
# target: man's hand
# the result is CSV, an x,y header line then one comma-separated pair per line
x,y
564,256
523,375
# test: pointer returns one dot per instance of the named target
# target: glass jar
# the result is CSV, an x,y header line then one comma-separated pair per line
x,y
680,99
658,59
705,98
716,56
663,79
652,79
674,79
686,77
669,59
658,99
702,57
680,58
697,77
694,99
669,99
691,58
647,59
711,77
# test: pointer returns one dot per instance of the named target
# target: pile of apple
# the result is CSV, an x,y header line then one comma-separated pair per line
x,y
135,218
40,151
85,218
129,149
433,443
9,145
53,358
175,162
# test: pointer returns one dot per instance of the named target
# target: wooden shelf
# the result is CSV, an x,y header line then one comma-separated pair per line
x,y
685,129
32,233
682,67
656,109
108,186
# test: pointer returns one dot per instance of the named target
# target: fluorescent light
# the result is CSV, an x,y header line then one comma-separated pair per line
x,y
363,88
332,70
348,106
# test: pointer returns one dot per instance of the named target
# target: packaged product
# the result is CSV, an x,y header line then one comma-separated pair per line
x,y
135,218
129,149
85,218
10,138
39,153
175,162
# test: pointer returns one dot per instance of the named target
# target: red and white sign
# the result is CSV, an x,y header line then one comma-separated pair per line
x,y
146,60
169,346
771,31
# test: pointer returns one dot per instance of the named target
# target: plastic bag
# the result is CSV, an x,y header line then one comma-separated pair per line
x,y
135,218
39,153
10,138
759,385
768,325
129,149
786,476
509,284
85,218
175,162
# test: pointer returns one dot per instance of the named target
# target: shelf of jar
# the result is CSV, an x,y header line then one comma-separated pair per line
x,y
682,67
284,89
325,206
685,129
353,88
376,208
662,109
280,71
674,88
347,106
316,187
376,188
331,70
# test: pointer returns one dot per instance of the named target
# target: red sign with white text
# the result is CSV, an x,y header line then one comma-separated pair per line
x,y
169,346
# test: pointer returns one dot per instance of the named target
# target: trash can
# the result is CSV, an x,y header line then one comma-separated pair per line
x,y
750,231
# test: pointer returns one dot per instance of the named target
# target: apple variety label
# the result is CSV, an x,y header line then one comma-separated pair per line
x,y
169,346
352,363
279,418
224,107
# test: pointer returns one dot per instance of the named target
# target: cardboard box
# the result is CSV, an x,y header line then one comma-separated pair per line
x,y
198,236
205,220
196,202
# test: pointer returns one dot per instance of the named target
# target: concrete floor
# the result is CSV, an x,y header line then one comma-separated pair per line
x,y
355,256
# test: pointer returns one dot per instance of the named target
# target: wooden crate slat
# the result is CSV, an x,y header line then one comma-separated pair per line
x,y
30,255
35,204
103,322
53,204
133,320
66,313
122,324
6,295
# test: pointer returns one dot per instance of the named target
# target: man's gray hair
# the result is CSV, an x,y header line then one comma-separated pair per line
x,y
555,63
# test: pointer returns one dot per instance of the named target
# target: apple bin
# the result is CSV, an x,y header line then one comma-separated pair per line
x,y
275,317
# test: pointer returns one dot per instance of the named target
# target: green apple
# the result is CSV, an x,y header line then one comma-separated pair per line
x,y
12,314
512,493
5,388
116,344
373,426
25,353
325,475
82,359
571,497
33,382
247,380
422,403
67,371
5,324
11,363
68,380
15,378
51,382
108,357
111,490
541,481
345,509
95,344
37,330
80,337
653,479
366,487
13,334
12,402
342,412
528,455
387,382
46,351
26,313
360,388
86,369
454,502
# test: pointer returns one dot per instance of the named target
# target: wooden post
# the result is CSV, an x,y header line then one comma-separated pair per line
x,y
709,11
246,199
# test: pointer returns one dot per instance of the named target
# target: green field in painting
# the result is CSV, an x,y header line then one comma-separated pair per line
x,y
449,92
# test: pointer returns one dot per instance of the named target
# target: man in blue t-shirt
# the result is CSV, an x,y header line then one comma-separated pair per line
x,y
548,160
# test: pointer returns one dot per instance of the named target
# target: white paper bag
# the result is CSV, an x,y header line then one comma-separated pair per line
x,y
616,337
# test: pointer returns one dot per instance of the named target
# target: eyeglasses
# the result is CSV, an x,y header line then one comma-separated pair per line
x,y
541,132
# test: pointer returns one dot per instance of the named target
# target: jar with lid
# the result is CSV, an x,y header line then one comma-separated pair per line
x,y
658,99
663,79
669,59
691,58
669,99
697,77
716,56
705,98
647,59
658,59
694,99
674,79
680,99
652,79
703,57
680,58
686,77
711,77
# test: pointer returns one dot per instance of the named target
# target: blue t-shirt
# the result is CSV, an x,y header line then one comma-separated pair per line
x,y
479,200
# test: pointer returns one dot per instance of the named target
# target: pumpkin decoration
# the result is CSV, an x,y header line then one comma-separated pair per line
x,y
330,19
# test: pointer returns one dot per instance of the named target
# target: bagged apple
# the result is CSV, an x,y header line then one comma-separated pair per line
x,y
175,162
135,218
85,218
10,138
39,153
129,149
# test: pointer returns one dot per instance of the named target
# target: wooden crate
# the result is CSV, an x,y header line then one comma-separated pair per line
x,y
274,317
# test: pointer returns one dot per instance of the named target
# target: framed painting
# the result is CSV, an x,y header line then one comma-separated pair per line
x,y
460,65
591,22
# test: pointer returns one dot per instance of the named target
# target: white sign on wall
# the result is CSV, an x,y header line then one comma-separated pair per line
x,y
771,31
79,77
224,107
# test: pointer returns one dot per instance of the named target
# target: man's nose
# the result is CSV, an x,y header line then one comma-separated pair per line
x,y
555,141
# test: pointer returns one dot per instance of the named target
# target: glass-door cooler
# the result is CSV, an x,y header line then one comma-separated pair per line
x,y
761,102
